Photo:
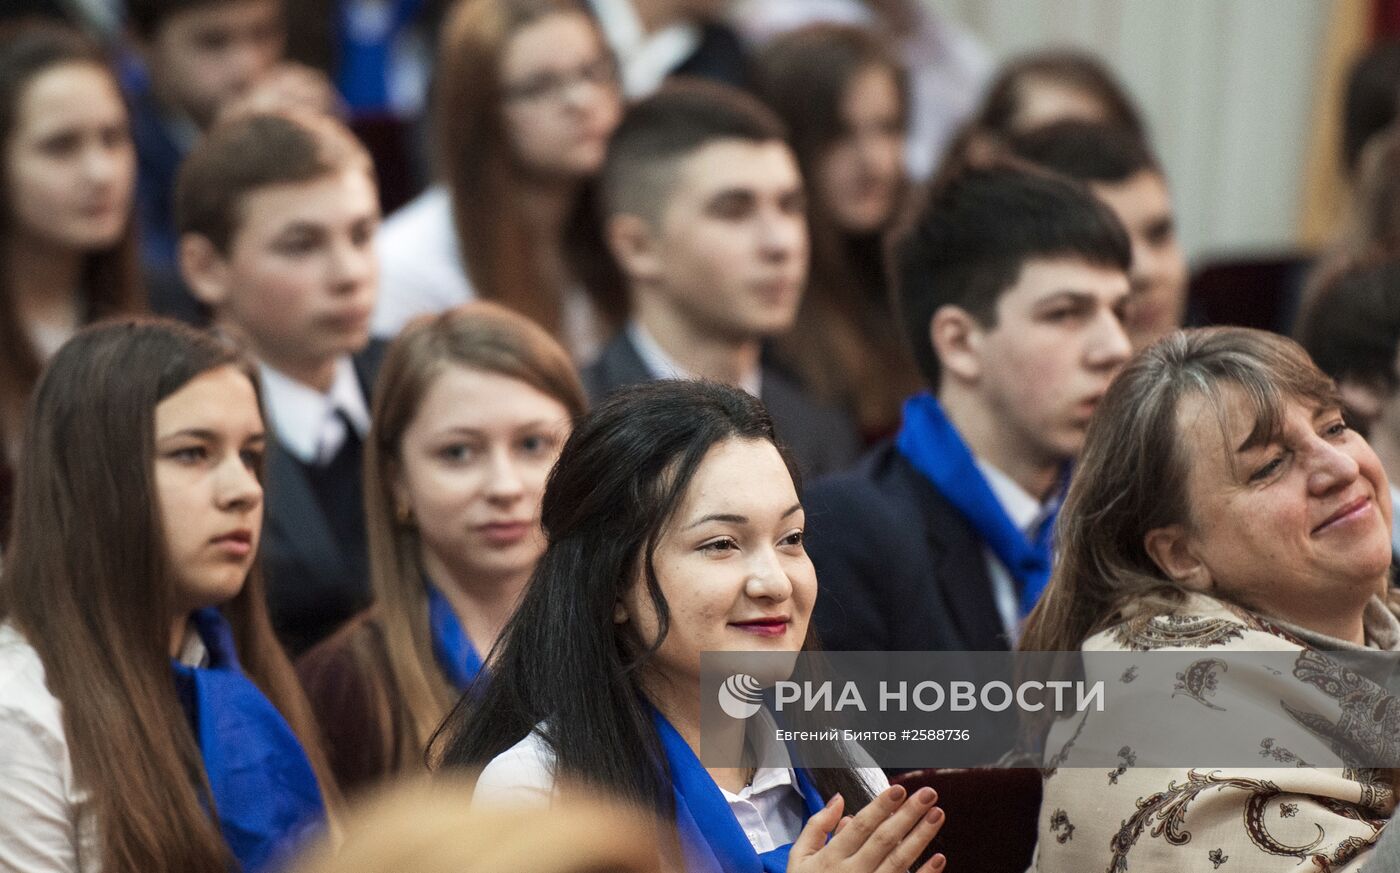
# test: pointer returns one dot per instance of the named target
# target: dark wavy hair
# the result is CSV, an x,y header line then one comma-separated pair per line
x,y
562,664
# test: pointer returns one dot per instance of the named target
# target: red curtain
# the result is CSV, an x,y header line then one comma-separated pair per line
x,y
1385,19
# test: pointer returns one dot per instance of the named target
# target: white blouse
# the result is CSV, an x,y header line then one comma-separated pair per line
x,y
771,810
420,263
46,823
422,271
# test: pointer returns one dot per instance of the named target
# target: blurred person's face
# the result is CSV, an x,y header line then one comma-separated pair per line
x,y
1157,305
209,447
471,473
731,564
1041,371
1297,527
205,57
69,161
861,175
728,254
561,96
300,278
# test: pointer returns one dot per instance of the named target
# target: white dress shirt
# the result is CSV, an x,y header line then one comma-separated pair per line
x,y
646,58
422,271
306,421
771,811
46,822
662,366
420,264
1026,513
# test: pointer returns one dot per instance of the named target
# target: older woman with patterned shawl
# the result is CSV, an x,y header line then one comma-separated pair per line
x,y
1221,506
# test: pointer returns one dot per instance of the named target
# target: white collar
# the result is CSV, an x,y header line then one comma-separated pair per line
x,y
1023,509
762,736
193,652
298,411
646,59
662,366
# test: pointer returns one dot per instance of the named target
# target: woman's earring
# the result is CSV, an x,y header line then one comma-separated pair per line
x,y
403,514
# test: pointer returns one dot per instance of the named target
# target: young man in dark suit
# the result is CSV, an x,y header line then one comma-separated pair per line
x,y
277,215
703,213
1011,286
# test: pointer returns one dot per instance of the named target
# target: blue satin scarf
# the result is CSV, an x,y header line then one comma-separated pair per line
x,y
368,30
710,836
452,648
267,801
936,449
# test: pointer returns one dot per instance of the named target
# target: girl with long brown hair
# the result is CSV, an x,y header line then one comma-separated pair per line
x,y
844,99
525,99
470,411
148,718
67,176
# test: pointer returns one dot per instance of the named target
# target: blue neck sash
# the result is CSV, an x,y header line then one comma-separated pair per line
x,y
367,31
266,798
936,449
710,836
452,648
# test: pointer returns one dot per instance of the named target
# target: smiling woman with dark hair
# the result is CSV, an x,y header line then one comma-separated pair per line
x,y
1221,504
674,527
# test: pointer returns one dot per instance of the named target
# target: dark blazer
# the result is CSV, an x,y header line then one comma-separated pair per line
x,y
821,439
314,583
720,57
158,159
363,717
898,568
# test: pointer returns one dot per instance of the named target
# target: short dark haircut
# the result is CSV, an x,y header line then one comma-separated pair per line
x,y
147,17
1372,99
246,153
657,133
1352,327
1086,151
966,246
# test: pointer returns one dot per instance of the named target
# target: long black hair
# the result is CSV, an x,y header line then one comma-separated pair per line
x,y
562,663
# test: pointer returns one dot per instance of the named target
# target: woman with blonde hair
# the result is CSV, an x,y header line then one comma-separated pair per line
x,y
526,96
470,411
1221,505
432,827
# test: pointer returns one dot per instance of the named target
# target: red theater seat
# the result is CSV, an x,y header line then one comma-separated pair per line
x,y
992,816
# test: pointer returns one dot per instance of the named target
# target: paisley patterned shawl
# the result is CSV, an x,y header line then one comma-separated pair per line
x,y
1285,815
